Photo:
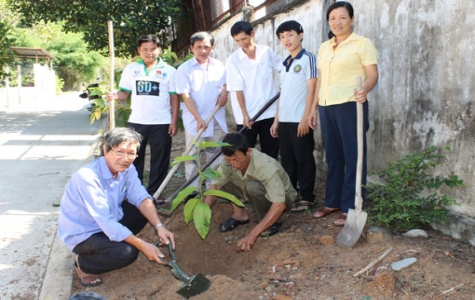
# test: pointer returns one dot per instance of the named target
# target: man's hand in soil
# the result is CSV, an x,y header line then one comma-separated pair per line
x,y
276,209
245,244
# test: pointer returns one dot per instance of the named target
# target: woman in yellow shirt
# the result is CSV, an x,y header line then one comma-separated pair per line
x,y
341,60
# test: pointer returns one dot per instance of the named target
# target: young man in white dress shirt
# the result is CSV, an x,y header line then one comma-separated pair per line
x,y
251,85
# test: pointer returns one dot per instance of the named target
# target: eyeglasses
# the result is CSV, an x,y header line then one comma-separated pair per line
x,y
125,155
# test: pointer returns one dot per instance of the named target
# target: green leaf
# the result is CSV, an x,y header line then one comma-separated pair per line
x,y
184,158
202,219
210,173
181,196
189,208
92,118
130,18
210,144
224,195
411,195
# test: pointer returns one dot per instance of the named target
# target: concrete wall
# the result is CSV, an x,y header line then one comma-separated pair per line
x,y
424,95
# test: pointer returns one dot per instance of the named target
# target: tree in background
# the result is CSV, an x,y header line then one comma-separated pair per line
x,y
6,39
131,19
6,56
73,63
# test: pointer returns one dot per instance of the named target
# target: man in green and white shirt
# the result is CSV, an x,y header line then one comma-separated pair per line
x,y
155,105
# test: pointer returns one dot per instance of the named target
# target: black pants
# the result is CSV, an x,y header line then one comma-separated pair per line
x,y
269,145
160,151
296,155
98,254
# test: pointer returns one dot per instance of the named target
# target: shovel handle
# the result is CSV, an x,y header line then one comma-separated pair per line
x,y
188,150
111,74
360,142
170,250
193,177
176,270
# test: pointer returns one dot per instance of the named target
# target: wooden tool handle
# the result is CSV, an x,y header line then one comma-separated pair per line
x,y
111,74
359,164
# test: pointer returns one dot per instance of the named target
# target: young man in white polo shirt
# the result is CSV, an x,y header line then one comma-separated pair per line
x,y
155,106
298,81
201,82
249,78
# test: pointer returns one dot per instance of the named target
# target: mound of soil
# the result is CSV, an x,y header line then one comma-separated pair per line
x,y
302,261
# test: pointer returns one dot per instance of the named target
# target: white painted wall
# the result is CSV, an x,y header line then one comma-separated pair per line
x,y
425,93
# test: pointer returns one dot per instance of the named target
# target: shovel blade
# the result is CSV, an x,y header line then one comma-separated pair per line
x,y
351,232
198,284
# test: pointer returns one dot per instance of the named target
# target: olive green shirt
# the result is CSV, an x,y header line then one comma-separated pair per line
x,y
264,169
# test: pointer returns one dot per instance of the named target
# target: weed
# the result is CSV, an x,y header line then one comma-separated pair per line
x,y
410,195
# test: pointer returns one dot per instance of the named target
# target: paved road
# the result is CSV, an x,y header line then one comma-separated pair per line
x,y
41,144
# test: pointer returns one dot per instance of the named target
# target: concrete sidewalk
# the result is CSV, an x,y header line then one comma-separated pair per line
x,y
41,144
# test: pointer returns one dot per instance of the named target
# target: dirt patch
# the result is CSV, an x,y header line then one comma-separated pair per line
x,y
300,262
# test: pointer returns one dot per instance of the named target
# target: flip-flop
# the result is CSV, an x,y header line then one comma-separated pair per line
x,y
159,202
302,206
273,229
230,224
324,211
86,280
341,220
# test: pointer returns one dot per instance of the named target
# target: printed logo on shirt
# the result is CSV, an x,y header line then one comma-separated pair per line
x,y
160,74
297,68
150,88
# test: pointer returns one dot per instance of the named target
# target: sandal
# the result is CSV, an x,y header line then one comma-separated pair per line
x,y
325,211
86,280
302,206
230,224
159,202
341,220
273,229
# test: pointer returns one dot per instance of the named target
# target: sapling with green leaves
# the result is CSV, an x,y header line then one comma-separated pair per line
x,y
196,209
410,195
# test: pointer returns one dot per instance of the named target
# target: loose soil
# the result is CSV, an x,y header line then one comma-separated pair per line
x,y
302,261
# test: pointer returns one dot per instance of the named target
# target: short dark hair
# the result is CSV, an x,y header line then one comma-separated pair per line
x,y
339,4
148,38
289,26
118,135
237,142
200,36
241,26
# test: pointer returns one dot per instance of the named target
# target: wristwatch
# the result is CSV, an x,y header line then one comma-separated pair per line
x,y
159,225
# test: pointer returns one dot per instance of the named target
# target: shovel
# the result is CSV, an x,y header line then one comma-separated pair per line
x,y
356,218
175,167
191,286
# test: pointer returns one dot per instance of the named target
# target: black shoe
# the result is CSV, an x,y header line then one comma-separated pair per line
x,y
273,229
